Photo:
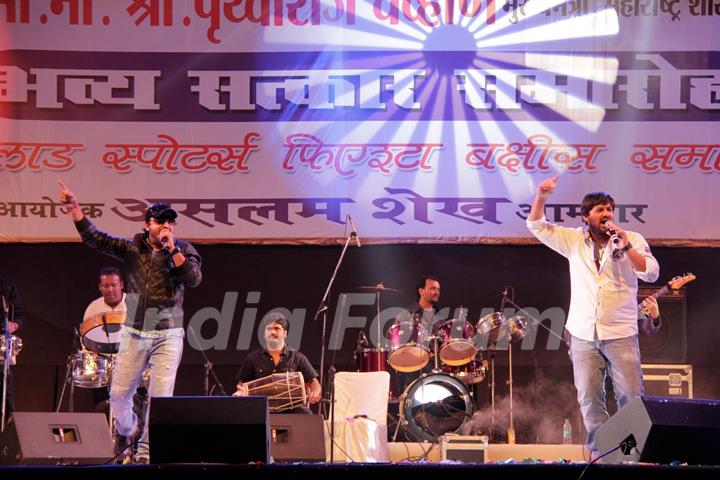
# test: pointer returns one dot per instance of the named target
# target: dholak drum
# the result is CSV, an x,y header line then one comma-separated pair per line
x,y
90,370
284,391
101,333
409,350
434,405
500,330
471,373
457,339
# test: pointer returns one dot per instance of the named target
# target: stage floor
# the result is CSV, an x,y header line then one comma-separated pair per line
x,y
322,471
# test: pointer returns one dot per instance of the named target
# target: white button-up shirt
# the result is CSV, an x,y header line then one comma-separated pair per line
x,y
603,304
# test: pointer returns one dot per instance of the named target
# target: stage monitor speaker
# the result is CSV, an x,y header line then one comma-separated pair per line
x,y
663,430
669,344
297,438
209,430
45,438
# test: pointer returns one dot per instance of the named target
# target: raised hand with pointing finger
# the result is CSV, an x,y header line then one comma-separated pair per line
x,y
544,190
67,197
547,187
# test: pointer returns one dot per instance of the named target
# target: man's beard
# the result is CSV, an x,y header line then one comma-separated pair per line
x,y
273,343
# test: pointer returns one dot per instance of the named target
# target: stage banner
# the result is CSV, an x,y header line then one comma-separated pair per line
x,y
423,121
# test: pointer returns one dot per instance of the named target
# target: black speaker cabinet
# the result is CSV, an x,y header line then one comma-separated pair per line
x,y
669,344
663,430
209,430
297,438
45,438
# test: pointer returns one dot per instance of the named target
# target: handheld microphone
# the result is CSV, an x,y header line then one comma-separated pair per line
x,y
353,231
615,240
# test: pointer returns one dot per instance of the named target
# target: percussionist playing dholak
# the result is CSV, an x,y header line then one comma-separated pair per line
x,y
277,357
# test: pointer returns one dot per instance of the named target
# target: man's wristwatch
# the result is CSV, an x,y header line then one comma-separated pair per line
x,y
626,247
174,251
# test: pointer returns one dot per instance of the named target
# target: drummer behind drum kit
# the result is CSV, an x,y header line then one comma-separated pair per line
x,y
438,402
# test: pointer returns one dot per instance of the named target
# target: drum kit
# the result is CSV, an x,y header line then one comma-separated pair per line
x,y
439,401
92,365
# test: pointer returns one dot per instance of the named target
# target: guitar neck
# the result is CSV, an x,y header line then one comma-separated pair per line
x,y
665,289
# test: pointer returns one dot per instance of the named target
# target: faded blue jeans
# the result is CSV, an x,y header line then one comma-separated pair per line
x,y
592,361
161,351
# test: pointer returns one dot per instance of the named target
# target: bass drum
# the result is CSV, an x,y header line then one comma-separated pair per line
x,y
434,405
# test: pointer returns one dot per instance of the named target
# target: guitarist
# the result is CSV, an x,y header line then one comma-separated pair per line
x,y
649,317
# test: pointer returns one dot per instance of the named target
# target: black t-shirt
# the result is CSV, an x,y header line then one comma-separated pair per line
x,y
260,364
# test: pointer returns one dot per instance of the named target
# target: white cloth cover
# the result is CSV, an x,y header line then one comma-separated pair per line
x,y
360,439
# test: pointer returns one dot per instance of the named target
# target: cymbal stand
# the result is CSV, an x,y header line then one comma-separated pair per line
x,y
436,364
511,429
492,395
68,379
77,342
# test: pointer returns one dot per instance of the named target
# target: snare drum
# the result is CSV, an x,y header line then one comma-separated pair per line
x,y
409,350
457,339
101,333
90,370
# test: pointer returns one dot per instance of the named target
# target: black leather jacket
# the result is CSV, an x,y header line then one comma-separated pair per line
x,y
155,287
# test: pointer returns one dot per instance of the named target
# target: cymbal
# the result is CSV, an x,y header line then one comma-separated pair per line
x,y
378,288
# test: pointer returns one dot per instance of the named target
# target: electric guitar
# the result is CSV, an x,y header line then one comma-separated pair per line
x,y
676,283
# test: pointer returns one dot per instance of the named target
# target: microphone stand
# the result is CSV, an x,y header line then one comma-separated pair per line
x,y
511,428
322,309
207,369
537,322
6,363
506,300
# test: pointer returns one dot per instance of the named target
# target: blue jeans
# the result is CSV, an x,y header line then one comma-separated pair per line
x,y
592,360
162,354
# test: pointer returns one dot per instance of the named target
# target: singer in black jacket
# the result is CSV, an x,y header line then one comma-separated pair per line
x,y
12,307
157,269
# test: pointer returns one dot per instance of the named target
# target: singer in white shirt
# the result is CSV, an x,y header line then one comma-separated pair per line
x,y
605,264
